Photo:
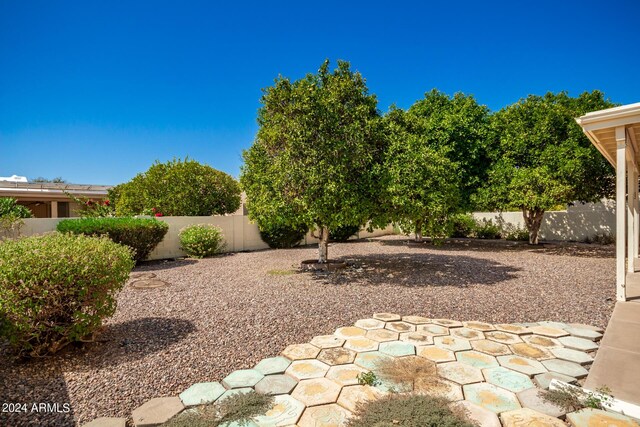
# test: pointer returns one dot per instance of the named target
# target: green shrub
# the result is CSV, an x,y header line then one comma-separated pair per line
x,y
11,215
486,229
407,411
140,234
463,225
368,378
57,288
283,236
201,240
601,239
517,234
342,234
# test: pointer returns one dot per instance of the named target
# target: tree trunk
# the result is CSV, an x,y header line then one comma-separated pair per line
x,y
418,231
323,245
533,221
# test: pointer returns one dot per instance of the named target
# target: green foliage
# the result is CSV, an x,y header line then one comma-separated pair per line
x,y
142,235
368,378
11,215
601,239
56,180
201,240
89,208
407,411
571,398
342,234
516,234
179,188
57,288
238,408
316,154
486,229
283,236
463,225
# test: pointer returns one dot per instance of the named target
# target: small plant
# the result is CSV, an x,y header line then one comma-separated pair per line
x,y
11,216
571,398
281,272
201,240
486,229
142,235
463,225
409,373
89,208
283,236
368,378
601,239
517,234
407,411
56,289
342,234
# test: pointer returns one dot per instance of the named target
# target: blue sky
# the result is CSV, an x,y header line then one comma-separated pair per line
x,y
95,91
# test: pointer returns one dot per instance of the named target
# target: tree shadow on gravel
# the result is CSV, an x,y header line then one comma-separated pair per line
x,y
418,270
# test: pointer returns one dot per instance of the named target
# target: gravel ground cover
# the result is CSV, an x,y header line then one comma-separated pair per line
x,y
228,312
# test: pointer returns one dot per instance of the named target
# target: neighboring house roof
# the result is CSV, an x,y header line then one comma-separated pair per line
x,y
50,190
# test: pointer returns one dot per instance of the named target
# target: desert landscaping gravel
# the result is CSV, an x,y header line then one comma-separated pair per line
x,y
228,312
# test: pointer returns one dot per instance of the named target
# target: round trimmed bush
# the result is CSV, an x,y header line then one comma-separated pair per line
x,y
56,289
201,240
283,236
342,234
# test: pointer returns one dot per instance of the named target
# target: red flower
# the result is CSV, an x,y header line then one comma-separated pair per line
x,y
158,213
89,203
106,203
153,209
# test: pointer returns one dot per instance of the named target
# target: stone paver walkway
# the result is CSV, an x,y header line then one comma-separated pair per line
x,y
493,371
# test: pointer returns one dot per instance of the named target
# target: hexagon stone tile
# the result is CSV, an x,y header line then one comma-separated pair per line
x,y
202,393
318,391
361,344
490,347
596,417
481,416
507,379
307,369
477,359
286,411
452,343
551,324
528,417
301,351
480,326
578,343
107,422
157,411
416,338
467,334
371,360
337,356
532,399
540,341
415,320
548,331
513,329
345,374
527,350
381,335
387,317
354,394
435,354
273,365
327,341
233,392
242,378
460,373
447,323
503,337
276,384
332,415
432,330
400,327
576,356
442,388
349,332
566,368
369,324
523,365
397,348
584,333
543,380
490,397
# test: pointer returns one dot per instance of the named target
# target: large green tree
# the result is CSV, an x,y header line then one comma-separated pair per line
x,y
542,159
317,153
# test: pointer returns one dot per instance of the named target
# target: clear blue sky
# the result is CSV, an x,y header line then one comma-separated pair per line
x,y
95,91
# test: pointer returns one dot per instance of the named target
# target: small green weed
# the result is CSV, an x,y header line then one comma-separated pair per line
x,y
573,399
368,378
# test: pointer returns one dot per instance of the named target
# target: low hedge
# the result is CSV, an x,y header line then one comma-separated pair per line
x,y
140,234
56,289
283,236
201,240
342,234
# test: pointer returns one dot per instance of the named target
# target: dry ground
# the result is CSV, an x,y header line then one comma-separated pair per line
x,y
228,312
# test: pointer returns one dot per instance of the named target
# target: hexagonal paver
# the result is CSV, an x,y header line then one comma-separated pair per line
x,y
533,352
503,337
361,344
543,380
440,388
245,423
307,369
415,320
541,341
397,348
477,359
387,385
332,415
201,393
107,422
513,329
276,384
327,341
508,379
588,334
575,356
432,330
452,343
400,327
273,365
490,397
354,394
369,324
242,378
467,334
548,331
371,360
381,335
583,326
566,368
318,391
337,356
301,351
349,332
345,374
477,414
157,411
597,417
480,326
387,317
578,343
529,417
435,354
523,365
227,394
490,347
416,338
460,373
285,411
447,323
532,399
552,324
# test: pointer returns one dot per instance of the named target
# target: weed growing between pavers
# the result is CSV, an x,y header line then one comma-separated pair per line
x,y
240,408
408,411
572,399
